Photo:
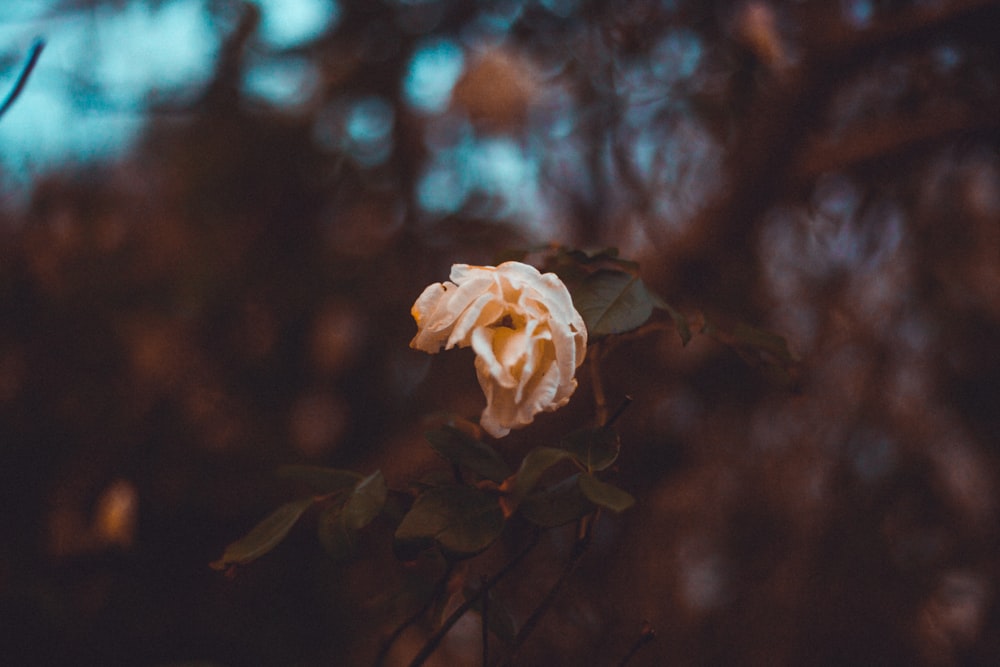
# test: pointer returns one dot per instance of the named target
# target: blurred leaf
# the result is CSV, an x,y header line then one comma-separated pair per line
x,y
680,322
459,448
339,524
594,448
759,348
365,502
533,466
604,494
574,266
265,535
511,255
331,529
461,519
612,302
322,481
558,505
764,341
432,478
604,258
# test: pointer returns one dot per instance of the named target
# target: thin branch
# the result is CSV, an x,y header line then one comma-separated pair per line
x,y
583,536
22,79
646,635
619,411
597,384
439,588
435,640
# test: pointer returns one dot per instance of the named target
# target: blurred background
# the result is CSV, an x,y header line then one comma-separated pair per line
x,y
215,216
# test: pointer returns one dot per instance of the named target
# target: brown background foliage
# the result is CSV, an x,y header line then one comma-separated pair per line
x,y
234,294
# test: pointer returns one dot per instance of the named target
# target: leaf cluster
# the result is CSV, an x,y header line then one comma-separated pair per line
x,y
347,502
608,291
612,298
463,518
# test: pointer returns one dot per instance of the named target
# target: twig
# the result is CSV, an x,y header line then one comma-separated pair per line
x,y
619,411
22,79
439,588
646,635
435,640
584,533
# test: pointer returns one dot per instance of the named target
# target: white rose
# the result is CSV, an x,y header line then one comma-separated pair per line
x,y
527,336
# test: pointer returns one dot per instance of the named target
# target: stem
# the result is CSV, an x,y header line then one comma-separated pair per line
x,y
584,533
627,401
646,635
597,385
435,640
439,588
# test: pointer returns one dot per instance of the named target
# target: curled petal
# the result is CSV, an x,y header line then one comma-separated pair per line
x,y
484,344
482,312
433,321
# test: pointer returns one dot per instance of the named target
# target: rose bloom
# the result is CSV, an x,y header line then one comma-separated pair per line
x,y
527,336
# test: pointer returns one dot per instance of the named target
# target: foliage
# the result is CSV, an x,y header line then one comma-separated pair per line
x,y
265,535
462,517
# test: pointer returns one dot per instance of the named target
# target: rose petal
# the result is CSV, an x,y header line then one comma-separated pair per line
x,y
485,310
484,344
430,313
542,391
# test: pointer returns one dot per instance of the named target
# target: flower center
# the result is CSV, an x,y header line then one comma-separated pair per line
x,y
506,321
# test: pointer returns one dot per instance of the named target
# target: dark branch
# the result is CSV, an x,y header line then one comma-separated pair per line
x,y
435,640
646,635
439,589
579,549
22,79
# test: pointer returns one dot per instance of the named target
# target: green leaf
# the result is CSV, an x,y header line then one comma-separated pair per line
x,y
265,535
457,447
558,505
593,448
321,481
365,502
765,342
759,348
339,524
600,258
533,466
612,302
461,519
510,255
604,494
337,540
680,322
